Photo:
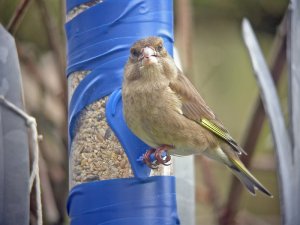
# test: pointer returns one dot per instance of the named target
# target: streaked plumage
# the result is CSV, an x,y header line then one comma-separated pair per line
x,y
162,107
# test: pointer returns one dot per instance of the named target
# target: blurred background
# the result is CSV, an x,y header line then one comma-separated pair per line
x,y
209,40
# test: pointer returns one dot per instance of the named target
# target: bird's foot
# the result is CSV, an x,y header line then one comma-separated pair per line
x,y
147,158
155,157
162,155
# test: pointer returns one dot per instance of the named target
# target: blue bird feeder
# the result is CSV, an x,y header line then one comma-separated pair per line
x,y
99,38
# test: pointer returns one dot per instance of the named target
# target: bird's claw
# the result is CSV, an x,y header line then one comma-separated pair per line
x,y
159,157
147,159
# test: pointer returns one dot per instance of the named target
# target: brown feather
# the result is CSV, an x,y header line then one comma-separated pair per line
x,y
195,108
193,105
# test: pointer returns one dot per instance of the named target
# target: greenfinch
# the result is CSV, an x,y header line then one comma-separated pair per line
x,y
164,109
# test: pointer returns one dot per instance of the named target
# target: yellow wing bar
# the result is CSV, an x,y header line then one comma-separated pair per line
x,y
222,134
215,129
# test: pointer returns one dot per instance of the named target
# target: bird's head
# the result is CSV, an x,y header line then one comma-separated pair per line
x,y
149,59
148,51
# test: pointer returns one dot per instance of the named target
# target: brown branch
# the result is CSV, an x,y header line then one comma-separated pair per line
x,y
30,64
52,214
277,64
17,16
56,45
184,33
209,180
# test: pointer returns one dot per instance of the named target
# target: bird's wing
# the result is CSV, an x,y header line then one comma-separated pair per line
x,y
195,108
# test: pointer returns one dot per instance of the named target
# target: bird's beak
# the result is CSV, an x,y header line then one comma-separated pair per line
x,y
148,52
148,55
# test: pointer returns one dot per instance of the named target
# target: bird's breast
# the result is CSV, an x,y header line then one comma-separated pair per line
x,y
148,110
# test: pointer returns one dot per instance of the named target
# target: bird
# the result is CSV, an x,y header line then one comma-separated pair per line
x,y
164,110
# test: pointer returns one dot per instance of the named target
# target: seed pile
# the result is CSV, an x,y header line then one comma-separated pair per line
x,y
96,153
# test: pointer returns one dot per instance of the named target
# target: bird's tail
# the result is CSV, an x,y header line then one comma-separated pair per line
x,y
246,177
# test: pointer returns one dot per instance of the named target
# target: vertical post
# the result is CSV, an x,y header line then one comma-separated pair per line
x,y
184,166
108,184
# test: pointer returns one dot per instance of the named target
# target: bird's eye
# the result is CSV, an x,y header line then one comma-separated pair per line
x,y
134,52
159,48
